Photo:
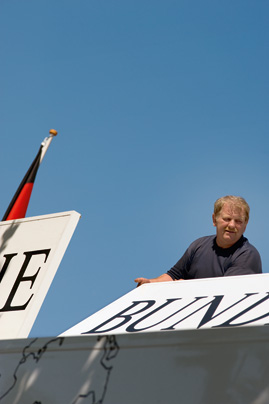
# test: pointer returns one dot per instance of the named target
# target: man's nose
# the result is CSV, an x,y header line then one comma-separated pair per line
x,y
231,224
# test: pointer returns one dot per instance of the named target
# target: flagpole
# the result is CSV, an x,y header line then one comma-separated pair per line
x,y
46,142
19,203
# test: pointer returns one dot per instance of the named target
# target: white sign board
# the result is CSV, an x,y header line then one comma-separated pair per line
x,y
30,252
205,303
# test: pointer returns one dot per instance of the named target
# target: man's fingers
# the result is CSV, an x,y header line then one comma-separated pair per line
x,y
140,281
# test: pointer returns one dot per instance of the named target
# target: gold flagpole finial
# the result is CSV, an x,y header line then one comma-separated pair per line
x,y
53,132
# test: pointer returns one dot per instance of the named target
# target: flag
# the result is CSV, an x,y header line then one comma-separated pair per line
x,y
19,204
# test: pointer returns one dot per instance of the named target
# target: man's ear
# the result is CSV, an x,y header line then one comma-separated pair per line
x,y
214,219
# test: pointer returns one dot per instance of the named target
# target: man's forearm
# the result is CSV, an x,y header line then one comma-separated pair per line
x,y
162,278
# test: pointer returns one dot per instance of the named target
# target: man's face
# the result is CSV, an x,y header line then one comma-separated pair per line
x,y
230,225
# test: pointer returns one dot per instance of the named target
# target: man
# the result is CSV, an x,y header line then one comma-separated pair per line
x,y
227,253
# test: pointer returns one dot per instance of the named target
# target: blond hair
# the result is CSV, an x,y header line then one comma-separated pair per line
x,y
236,201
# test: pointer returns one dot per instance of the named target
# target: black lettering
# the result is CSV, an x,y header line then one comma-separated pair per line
x,y
228,322
22,278
8,258
213,305
131,327
125,318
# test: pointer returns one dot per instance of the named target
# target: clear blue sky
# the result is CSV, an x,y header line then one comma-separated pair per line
x,y
161,107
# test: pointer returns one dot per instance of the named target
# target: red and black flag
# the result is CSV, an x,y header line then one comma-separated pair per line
x,y
19,204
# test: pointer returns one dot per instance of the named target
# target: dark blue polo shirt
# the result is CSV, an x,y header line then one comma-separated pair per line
x,y
205,259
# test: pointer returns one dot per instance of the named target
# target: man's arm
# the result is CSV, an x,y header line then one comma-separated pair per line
x,y
176,273
161,278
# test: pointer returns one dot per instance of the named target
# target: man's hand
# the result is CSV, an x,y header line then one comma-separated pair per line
x,y
161,278
140,281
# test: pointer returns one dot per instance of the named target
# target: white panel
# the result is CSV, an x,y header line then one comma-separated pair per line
x,y
30,253
204,303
